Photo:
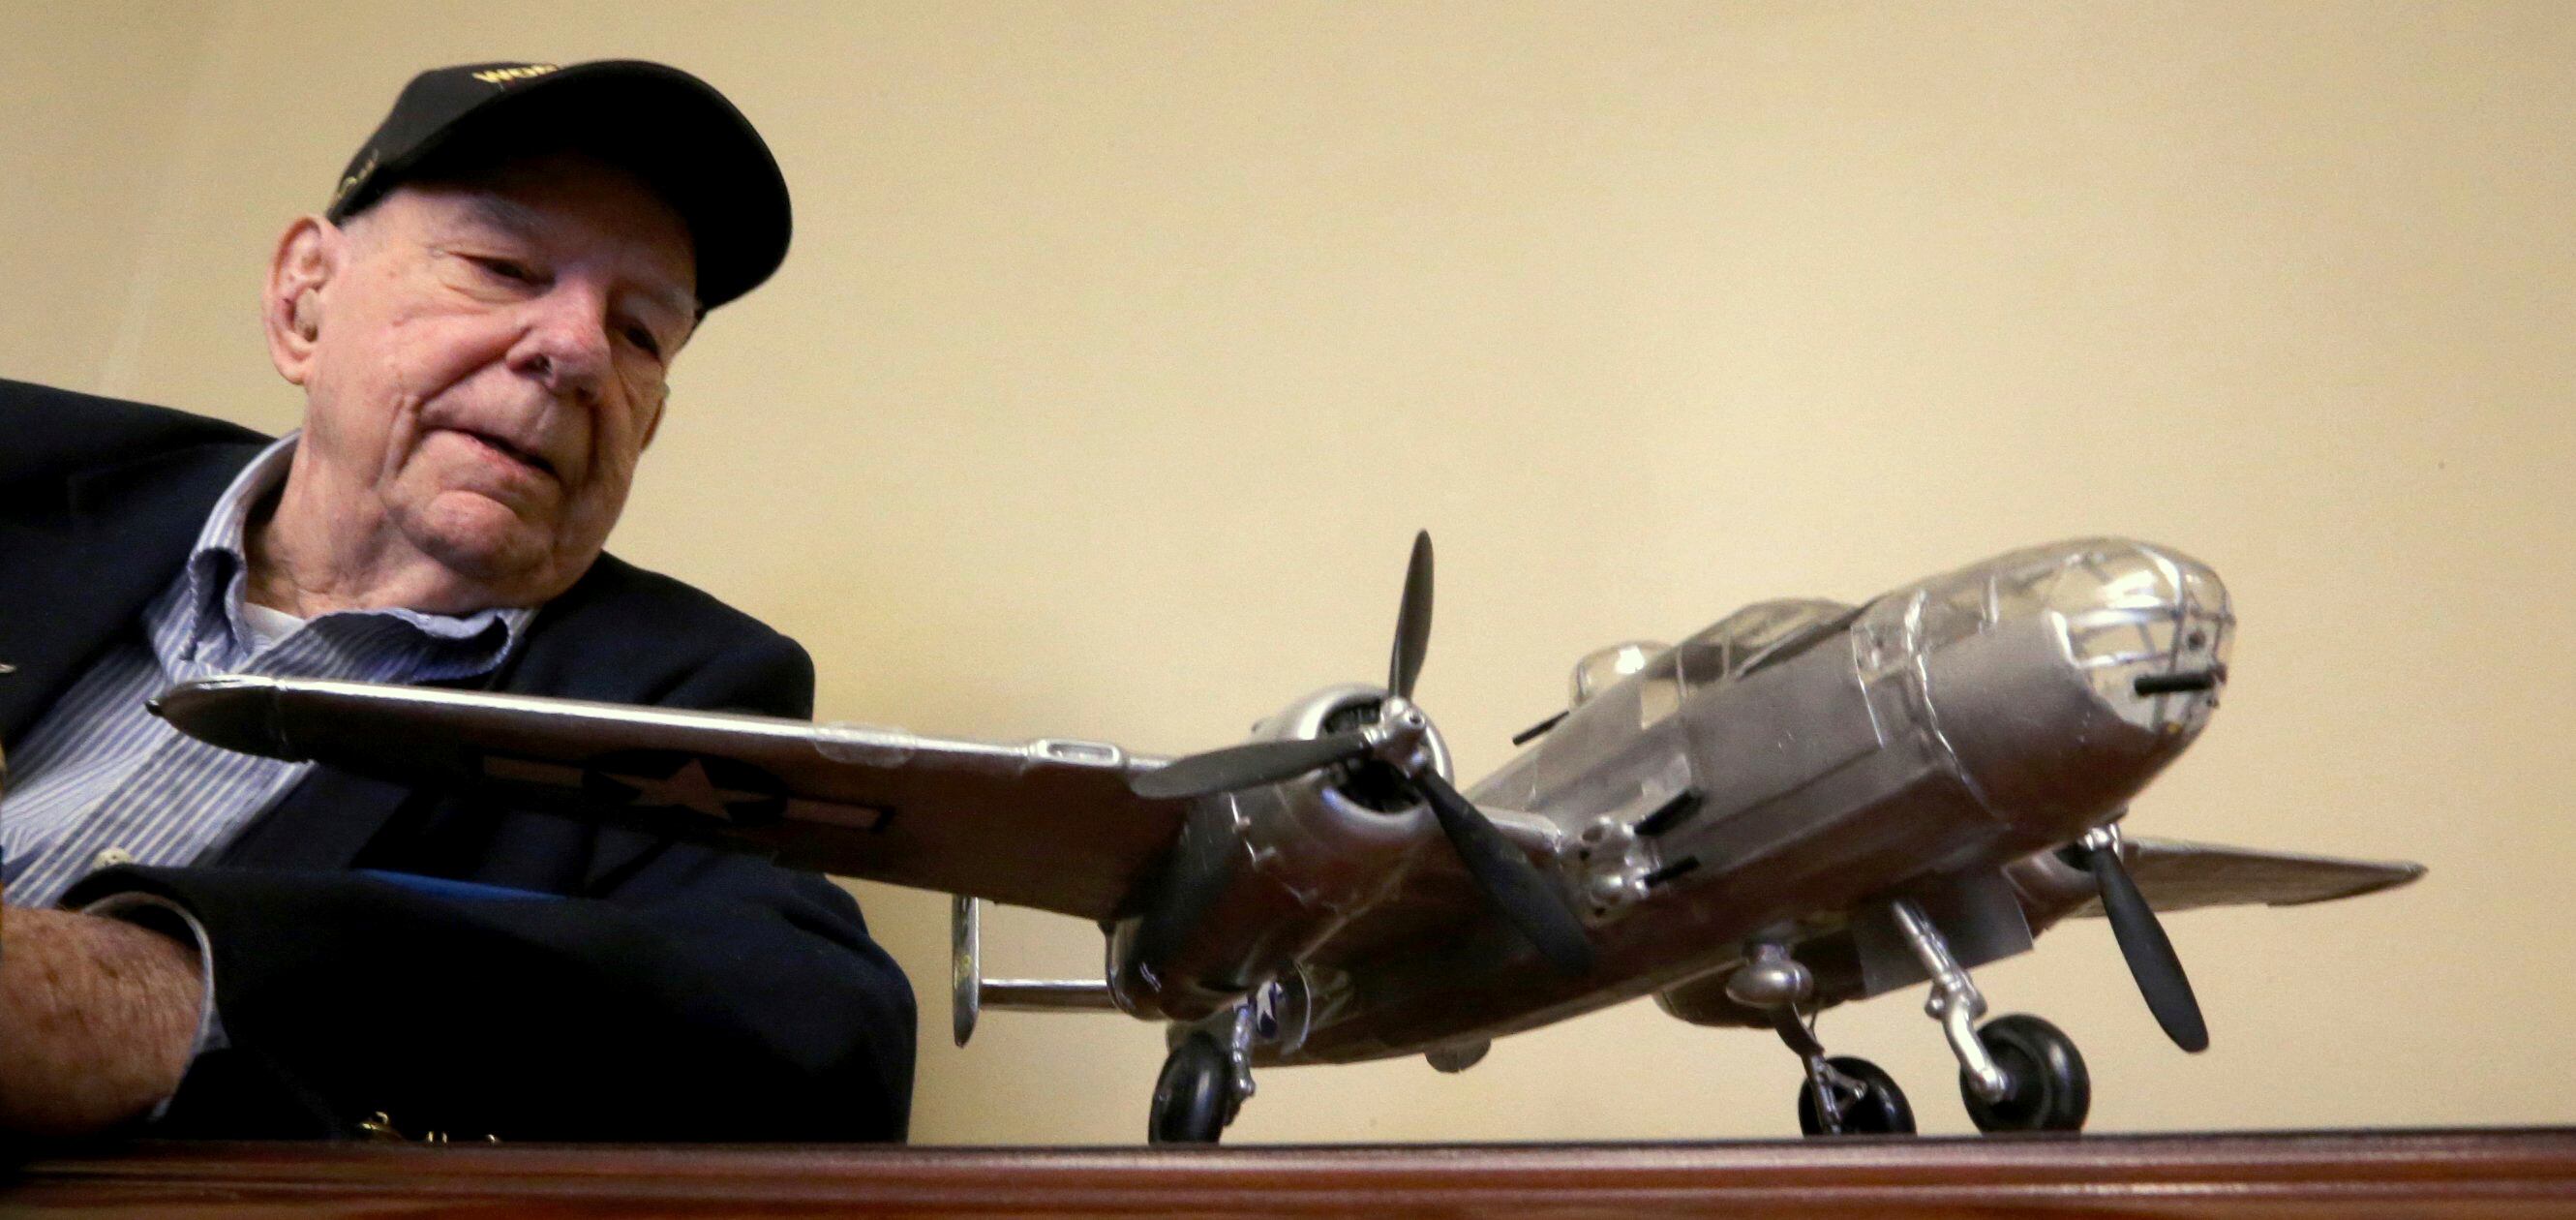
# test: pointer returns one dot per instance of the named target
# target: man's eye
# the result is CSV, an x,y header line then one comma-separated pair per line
x,y
517,273
644,340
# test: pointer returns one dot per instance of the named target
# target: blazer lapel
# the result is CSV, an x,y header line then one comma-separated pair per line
x,y
322,822
78,570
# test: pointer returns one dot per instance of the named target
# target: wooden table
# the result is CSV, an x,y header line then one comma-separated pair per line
x,y
2518,1173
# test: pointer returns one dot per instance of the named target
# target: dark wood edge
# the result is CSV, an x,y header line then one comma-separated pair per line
x,y
2356,1167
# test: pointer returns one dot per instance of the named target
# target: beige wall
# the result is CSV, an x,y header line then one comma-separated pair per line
x,y
1125,345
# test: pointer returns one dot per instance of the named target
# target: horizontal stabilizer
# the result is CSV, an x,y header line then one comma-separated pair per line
x,y
2179,876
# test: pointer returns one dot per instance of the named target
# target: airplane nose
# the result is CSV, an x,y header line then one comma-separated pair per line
x,y
2151,630
2060,678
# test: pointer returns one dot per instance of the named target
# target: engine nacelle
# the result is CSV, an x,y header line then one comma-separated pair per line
x,y
1262,876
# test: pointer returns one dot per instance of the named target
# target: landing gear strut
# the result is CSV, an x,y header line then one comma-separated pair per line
x,y
1849,1095
2016,1073
1205,1079
1843,1094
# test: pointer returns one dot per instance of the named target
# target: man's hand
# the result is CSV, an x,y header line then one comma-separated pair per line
x,y
97,1018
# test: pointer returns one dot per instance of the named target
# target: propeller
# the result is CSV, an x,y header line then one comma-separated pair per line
x,y
1412,621
1249,765
1507,877
1501,872
2142,941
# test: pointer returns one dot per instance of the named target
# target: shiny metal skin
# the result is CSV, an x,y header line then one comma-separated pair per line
x,y
1771,979
1794,770
1610,866
1289,865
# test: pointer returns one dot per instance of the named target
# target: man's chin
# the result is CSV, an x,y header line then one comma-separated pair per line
x,y
491,556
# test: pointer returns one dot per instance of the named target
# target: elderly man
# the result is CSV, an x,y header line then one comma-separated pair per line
x,y
482,323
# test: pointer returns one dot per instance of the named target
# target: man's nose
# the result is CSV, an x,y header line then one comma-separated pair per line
x,y
565,345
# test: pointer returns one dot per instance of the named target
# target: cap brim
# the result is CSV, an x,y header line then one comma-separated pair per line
x,y
669,128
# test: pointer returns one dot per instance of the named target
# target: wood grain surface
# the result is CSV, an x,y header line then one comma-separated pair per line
x,y
2518,1173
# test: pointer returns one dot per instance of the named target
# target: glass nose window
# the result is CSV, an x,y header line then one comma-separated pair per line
x,y
2128,609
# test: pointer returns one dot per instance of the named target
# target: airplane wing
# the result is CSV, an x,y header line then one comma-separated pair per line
x,y
2179,876
1047,824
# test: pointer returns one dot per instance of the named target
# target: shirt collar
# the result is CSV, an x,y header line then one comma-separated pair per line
x,y
218,568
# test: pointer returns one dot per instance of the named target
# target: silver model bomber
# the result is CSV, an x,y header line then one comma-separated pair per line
x,y
1806,803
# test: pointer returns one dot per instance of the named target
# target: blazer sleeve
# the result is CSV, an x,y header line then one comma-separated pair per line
x,y
516,974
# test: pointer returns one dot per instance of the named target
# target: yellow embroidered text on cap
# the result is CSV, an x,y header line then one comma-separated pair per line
x,y
503,76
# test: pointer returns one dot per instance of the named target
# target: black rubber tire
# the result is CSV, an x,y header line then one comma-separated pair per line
x,y
1879,1110
2051,1091
1190,1096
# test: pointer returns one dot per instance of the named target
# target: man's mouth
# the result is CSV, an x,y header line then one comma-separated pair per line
x,y
503,447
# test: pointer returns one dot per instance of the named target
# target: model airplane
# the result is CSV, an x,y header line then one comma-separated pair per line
x,y
1804,804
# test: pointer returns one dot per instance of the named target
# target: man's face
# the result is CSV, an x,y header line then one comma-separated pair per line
x,y
490,361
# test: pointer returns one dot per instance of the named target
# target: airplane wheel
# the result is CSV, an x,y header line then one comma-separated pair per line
x,y
1878,1109
2050,1089
1190,1097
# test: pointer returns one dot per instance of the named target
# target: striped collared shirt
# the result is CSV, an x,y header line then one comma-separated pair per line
x,y
101,781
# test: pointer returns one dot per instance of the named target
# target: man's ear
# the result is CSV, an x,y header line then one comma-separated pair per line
x,y
291,310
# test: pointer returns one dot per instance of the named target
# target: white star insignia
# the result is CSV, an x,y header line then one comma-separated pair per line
x,y
688,788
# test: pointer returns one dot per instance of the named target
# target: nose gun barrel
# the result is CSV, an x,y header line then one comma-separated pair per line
x,y
2177,683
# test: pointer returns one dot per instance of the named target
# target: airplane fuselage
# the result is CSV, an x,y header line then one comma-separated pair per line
x,y
1791,764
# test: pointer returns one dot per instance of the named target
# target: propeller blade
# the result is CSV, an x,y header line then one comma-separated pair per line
x,y
2150,955
1508,879
1413,622
1249,765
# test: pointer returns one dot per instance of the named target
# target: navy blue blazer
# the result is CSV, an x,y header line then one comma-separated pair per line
x,y
681,992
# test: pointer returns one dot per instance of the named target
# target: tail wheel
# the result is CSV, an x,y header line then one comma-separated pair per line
x,y
2050,1089
1190,1096
1867,1102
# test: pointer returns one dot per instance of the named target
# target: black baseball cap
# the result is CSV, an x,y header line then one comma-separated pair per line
x,y
671,129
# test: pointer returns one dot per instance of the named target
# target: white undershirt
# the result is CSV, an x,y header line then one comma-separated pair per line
x,y
267,626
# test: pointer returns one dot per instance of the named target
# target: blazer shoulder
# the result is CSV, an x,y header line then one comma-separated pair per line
x,y
629,634
614,586
51,429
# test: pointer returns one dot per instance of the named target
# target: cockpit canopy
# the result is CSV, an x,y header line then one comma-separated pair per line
x,y
1603,668
1759,635
1762,634
1625,691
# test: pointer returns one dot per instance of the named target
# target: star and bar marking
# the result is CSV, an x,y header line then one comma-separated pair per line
x,y
722,788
